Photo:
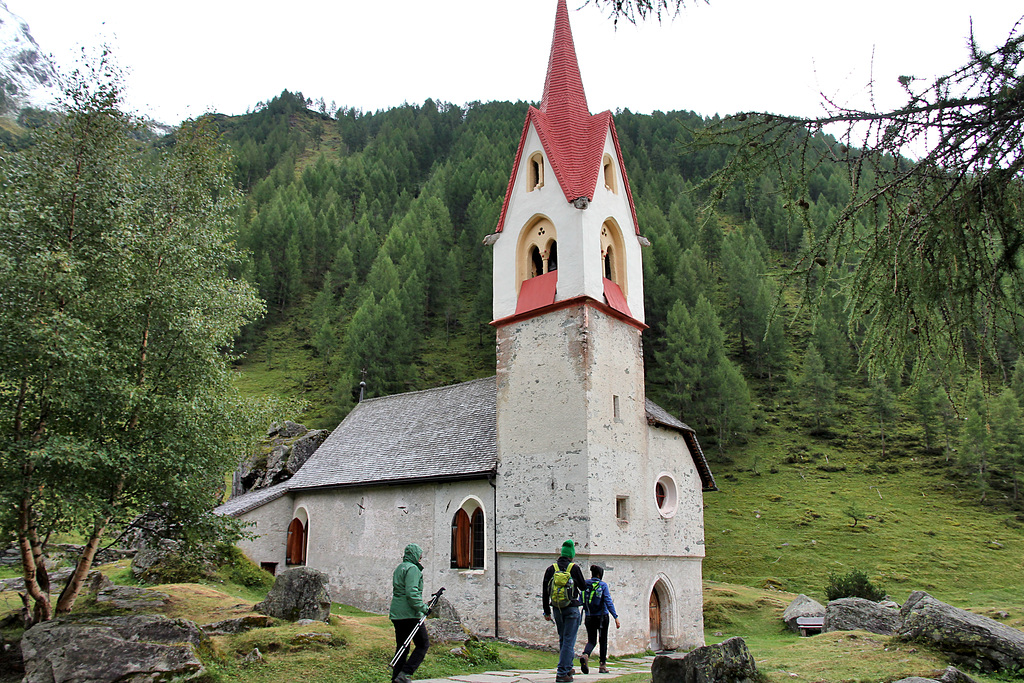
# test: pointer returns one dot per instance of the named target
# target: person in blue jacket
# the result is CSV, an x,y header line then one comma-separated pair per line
x,y
597,605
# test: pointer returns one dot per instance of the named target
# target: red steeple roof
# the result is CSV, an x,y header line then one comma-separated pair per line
x,y
563,87
573,139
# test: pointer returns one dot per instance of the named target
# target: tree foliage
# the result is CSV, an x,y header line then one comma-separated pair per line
x,y
116,308
928,252
854,584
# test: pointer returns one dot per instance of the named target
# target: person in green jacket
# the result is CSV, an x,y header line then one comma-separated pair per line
x,y
407,607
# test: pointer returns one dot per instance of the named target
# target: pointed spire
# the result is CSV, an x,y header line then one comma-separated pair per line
x,y
563,87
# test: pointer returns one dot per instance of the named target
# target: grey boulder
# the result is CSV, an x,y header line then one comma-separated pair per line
x,y
728,662
969,639
129,649
802,606
299,593
858,614
950,675
239,625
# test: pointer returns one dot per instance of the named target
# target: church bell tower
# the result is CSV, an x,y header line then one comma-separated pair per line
x,y
568,309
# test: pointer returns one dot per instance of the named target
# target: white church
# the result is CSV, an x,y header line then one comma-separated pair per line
x,y
490,476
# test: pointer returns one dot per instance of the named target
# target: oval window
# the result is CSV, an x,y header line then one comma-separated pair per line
x,y
665,495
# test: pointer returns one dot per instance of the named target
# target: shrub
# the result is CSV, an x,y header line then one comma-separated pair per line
x,y
239,569
853,585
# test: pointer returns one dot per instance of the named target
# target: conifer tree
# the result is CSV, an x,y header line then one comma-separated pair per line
x,y
1008,437
817,387
882,404
975,439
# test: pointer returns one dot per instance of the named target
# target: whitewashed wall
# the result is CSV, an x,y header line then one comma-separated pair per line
x,y
358,535
580,268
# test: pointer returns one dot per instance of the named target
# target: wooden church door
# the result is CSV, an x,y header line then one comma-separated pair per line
x,y
655,617
296,544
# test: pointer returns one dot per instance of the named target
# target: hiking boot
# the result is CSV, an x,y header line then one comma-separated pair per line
x,y
567,678
583,664
403,678
603,670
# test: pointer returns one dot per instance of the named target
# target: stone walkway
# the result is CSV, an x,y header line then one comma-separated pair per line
x,y
619,667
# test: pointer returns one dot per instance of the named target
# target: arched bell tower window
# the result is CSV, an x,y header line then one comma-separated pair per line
x,y
468,536
535,172
610,182
537,253
613,252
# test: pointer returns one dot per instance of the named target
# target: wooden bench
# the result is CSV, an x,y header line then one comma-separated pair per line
x,y
810,625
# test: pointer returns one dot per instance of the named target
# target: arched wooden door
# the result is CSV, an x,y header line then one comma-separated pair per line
x,y
655,618
296,546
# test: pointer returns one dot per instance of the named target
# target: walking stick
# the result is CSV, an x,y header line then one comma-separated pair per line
x,y
419,624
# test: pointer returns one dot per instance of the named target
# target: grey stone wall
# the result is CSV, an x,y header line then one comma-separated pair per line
x,y
565,457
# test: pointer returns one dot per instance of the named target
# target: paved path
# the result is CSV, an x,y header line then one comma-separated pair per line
x,y
619,667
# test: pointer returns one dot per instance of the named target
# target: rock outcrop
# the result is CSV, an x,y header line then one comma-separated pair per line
x,y
286,449
969,639
299,593
728,662
131,598
950,675
239,625
858,614
101,649
802,606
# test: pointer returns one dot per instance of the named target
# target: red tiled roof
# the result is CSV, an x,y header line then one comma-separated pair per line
x,y
615,298
571,137
537,292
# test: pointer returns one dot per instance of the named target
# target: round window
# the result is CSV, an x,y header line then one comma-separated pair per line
x,y
665,495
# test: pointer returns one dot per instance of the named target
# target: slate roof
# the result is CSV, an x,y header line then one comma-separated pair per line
x,y
572,138
659,416
251,500
443,433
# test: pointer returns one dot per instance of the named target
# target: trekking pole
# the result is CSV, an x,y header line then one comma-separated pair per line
x,y
419,624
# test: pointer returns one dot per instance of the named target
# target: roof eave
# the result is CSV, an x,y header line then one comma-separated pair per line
x,y
397,481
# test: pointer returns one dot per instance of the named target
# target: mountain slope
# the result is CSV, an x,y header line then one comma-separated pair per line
x,y
27,76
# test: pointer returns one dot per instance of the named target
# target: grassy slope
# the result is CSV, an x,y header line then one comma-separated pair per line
x,y
355,646
786,521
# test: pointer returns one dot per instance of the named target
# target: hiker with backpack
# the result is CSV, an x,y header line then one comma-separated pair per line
x,y
407,607
597,604
561,603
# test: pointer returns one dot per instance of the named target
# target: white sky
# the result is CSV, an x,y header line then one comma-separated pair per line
x,y
191,56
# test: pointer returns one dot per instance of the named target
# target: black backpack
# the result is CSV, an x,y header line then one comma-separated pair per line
x,y
593,596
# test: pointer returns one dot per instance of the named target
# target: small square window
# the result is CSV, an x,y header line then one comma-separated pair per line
x,y
615,409
622,508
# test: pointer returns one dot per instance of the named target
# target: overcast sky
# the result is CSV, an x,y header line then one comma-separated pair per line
x,y
188,57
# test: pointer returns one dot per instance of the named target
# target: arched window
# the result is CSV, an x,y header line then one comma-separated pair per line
x,y
537,253
468,537
610,183
613,252
535,172
536,262
296,543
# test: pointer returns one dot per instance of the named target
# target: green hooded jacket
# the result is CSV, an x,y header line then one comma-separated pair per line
x,y
407,582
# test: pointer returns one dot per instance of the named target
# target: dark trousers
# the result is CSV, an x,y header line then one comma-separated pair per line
x,y
597,627
409,663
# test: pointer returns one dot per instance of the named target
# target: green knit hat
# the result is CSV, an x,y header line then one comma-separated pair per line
x,y
569,549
